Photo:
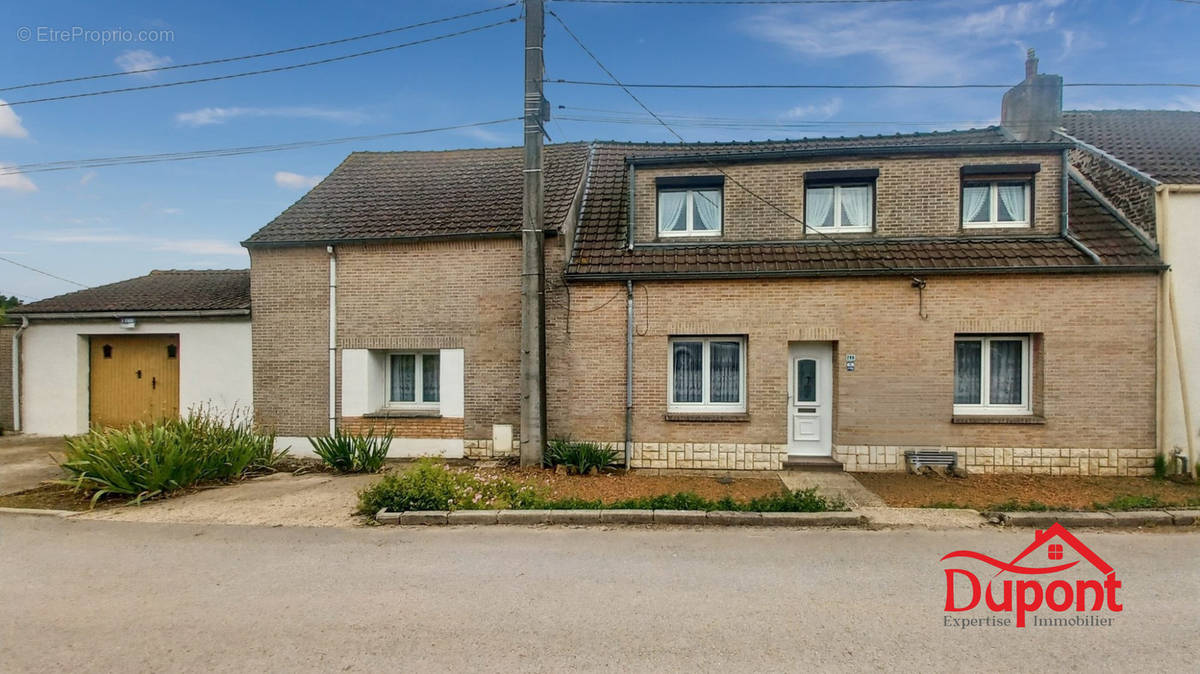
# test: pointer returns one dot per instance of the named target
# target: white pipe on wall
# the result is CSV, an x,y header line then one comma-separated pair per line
x,y
16,373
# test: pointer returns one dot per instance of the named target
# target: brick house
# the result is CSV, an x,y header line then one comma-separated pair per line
x,y
823,301
1147,164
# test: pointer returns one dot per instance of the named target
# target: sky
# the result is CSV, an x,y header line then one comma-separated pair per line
x,y
100,225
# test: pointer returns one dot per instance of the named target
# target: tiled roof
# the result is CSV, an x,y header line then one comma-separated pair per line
x,y
395,195
166,290
600,245
1165,144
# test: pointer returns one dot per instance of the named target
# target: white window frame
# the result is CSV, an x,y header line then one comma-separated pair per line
x,y
985,369
837,208
419,401
994,220
691,195
705,406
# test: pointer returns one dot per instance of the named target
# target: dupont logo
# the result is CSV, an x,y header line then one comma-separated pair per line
x,y
1075,587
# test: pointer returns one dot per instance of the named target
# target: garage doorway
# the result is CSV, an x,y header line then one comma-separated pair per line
x,y
133,378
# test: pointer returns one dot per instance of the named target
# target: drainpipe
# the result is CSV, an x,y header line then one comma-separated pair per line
x,y
1065,198
16,373
628,373
332,340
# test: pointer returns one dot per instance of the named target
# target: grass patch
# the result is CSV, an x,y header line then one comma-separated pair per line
x,y
1013,505
429,485
149,460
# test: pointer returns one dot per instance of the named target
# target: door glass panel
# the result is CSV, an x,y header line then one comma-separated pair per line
x,y
806,381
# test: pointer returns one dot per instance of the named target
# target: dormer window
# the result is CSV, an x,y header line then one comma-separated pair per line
x,y
997,195
840,201
690,206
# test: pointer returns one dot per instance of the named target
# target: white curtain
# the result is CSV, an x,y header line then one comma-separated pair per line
x,y
818,207
431,378
1012,197
707,210
404,374
671,215
1005,377
725,364
975,202
688,364
856,206
967,364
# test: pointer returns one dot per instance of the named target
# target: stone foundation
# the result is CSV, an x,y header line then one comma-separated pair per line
x,y
485,449
1039,460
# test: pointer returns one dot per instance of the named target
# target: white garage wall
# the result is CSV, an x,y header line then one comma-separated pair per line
x,y
214,368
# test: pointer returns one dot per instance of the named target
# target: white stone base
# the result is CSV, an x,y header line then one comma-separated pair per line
x,y
401,448
1030,460
486,449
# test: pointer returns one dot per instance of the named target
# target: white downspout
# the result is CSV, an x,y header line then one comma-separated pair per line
x,y
16,373
332,340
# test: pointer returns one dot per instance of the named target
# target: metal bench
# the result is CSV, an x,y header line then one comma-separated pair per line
x,y
930,457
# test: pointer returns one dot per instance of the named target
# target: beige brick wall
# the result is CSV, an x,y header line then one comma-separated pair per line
x,y
406,427
6,375
914,196
424,295
1095,370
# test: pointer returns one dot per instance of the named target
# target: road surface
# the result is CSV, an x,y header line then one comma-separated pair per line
x,y
108,596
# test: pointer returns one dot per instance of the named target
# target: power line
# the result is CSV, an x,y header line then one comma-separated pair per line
x,y
673,85
707,160
224,152
737,2
44,273
275,52
265,70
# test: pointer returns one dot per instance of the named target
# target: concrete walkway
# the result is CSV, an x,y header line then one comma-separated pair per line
x,y
26,461
833,484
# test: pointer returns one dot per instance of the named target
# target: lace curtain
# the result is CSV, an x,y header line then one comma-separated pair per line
x,y
404,374
818,207
671,214
975,203
725,363
688,362
856,205
1012,198
706,205
1005,384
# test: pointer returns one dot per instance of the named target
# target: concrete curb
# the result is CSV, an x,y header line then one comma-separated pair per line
x,y
594,517
1108,519
39,511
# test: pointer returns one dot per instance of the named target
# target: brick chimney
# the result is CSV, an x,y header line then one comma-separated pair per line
x,y
1032,110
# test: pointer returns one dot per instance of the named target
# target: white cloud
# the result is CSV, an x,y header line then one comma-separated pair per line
x,y
10,123
155,243
208,116
486,135
295,181
17,182
817,111
134,60
201,247
87,177
916,43
172,211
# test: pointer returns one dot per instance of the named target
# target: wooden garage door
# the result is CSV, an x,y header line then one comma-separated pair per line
x,y
134,378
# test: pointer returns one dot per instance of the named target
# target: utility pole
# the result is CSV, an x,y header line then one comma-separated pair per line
x,y
533,262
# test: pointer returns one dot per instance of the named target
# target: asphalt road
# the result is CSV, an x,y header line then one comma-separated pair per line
x,y
108,596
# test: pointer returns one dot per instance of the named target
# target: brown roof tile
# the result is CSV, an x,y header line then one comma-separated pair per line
x,y
166,290
1164,144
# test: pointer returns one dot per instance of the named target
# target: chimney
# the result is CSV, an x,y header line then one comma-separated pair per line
x,y
1032,110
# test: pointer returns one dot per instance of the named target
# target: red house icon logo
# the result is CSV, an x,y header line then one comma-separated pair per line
x,y
1025,595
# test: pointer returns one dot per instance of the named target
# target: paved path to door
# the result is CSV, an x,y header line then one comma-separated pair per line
x,y
25,461
84,595
833,483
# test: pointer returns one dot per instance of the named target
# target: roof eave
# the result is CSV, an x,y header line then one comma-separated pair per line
x,y
874,150
108,314
295,243
898,271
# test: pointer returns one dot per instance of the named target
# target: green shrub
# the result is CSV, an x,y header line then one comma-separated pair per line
x,y
801,501
429,485
580,457
348,452
148,460
1130,502
1160,466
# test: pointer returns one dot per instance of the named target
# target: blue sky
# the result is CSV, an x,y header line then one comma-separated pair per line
x,y
101,225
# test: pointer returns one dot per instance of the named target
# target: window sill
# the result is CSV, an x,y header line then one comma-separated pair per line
x,y
734,417
1021,419
996,225
404,414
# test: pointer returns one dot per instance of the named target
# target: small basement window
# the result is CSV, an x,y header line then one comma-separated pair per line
x,y
707,374
690,206
413,379
992,374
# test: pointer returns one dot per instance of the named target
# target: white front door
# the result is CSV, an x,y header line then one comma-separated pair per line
x,y
810,399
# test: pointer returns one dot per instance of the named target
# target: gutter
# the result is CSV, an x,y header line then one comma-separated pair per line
x,y
628,373
332,339
114,315
1065,199
16,373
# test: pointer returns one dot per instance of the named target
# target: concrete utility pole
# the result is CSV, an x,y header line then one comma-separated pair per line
x,y
533,263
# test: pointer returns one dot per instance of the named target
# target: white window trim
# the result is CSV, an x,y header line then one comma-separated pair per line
x,y
837,209
418,384
993,221
706,407
985,367
691,194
